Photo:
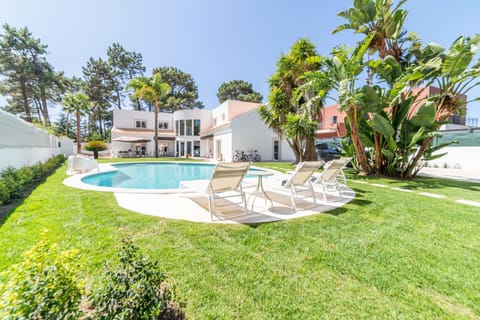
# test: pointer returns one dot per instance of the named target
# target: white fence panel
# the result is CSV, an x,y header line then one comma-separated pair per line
x,y
23,144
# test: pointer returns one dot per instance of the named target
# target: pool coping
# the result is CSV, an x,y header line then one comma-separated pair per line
x,y
178,204
75,180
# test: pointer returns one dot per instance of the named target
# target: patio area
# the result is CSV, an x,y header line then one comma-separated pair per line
x,y
188,205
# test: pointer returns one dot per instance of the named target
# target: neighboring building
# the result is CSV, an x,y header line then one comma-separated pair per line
x,y
472,122
331,124
216,134
423,93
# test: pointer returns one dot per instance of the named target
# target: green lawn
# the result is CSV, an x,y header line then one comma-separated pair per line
x,y
387,254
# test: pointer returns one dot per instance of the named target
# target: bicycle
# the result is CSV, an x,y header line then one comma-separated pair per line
x,y
253,156
239,156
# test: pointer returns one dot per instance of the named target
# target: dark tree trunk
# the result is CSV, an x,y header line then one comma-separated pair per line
x,y
156,130
26,107
79,136
357,143
43,98
310,151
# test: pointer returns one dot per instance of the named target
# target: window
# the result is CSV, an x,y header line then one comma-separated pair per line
x,y
177,127
223,117
182,127
189,128
163,125
196,148
333,119
196,127
140,123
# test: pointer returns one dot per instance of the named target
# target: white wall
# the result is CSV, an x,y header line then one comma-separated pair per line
x,y
229,110
126,118
467,158
224,137
249,132
23,144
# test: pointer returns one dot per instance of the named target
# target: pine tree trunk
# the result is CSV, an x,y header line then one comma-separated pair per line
x,y
79,136
156,130
43,97
26,107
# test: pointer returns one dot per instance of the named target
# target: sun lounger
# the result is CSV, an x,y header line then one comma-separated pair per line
x,y
77,164
226,182
332,178
301,180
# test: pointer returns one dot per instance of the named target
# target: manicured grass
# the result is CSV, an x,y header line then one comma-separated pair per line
x,y
387,254
451,189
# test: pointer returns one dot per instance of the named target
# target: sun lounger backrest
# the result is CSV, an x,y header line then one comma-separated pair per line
x,y
303,172
334,167
228,176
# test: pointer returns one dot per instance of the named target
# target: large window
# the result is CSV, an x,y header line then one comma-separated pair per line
x,y
182,127
140,123
177,127
189,128
196,127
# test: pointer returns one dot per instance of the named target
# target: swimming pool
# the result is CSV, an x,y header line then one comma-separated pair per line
x,y
150,175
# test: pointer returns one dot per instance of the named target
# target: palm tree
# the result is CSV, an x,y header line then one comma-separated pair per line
x,y
79,104
151,90
380,19
286,109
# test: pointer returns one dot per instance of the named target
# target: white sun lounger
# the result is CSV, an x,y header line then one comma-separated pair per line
x,y
226,182
77,164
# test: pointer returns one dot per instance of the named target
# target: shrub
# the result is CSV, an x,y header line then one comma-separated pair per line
x,y
11,178
14,182
4,193
96,146
43,286
133,290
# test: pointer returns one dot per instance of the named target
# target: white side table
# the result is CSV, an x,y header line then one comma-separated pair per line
x,y
260,189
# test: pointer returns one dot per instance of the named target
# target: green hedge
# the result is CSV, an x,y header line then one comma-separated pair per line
x,y
14,182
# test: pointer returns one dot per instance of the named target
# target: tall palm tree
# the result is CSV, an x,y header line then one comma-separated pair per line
x,y
380,19
151,90
79,104
286,110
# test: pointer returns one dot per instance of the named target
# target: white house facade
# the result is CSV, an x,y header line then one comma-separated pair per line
x,y
215,134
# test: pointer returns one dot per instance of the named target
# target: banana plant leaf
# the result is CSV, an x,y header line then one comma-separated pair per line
x,y
382,125
425,116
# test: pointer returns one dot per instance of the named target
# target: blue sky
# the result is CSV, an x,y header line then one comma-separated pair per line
x,y
215,40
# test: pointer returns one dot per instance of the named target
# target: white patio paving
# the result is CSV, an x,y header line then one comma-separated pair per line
x,y
190,206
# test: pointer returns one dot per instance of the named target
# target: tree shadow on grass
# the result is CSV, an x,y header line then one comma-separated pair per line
x,y
438,183
422,183
7,209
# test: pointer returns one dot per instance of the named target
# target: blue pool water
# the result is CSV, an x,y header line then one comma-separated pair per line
x,y
151,175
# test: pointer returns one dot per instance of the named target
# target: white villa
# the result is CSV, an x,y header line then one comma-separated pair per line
x,y
215,134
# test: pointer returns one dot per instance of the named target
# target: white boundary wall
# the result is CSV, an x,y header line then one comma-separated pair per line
x,y
467,158
23,144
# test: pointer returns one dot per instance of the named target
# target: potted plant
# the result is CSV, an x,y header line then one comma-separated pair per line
x,y
96,146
